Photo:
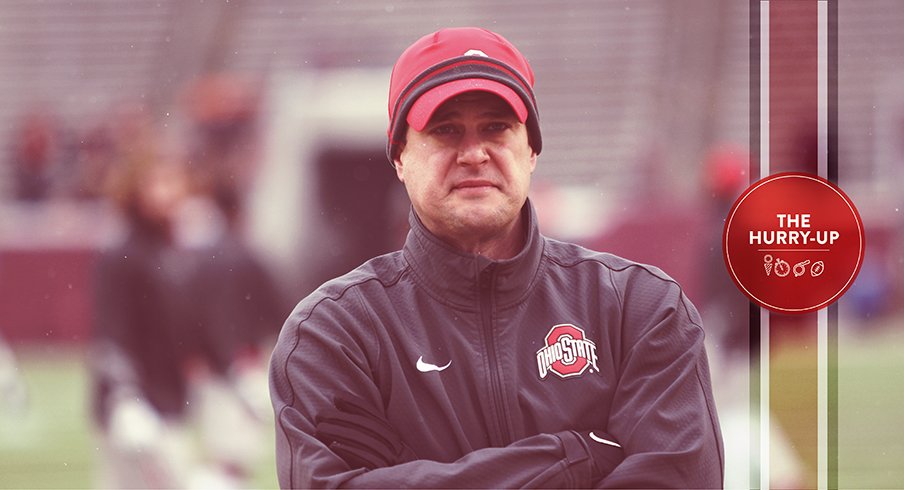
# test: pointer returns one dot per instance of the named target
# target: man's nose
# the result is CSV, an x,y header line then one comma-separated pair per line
x,y
472,149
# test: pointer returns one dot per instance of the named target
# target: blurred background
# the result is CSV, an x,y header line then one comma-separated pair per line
x,y
270,120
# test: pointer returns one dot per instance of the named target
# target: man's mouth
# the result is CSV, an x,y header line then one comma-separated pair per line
x,y
475,184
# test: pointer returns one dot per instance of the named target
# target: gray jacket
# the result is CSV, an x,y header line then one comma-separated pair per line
x,y
488,368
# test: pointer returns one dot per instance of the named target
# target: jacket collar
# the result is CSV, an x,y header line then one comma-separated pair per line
x,y
459,278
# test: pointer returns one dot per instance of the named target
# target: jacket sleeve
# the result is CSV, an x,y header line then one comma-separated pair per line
x,y
663,412
318,356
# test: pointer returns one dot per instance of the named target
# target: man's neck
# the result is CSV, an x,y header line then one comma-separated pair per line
x,y
503,244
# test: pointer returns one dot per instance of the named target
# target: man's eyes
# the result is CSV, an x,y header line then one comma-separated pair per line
x,y
444,129
496,126
452,129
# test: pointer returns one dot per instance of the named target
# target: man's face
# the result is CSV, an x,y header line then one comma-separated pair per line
x,y
467,173
164,189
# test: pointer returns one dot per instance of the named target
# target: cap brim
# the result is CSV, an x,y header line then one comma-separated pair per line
x,y
426,104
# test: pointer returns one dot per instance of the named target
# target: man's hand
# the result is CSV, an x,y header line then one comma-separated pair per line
x,y
360,437
606,452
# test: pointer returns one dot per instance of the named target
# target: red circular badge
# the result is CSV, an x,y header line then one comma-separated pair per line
x,y
793,242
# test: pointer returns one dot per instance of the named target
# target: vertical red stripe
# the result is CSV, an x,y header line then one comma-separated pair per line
x,y
793,86
793,132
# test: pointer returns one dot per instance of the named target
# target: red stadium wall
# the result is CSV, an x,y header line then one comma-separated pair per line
x,y
46,295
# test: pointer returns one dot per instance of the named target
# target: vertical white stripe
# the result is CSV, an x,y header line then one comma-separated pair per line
x,y
822,419
764,89
765,419
822,317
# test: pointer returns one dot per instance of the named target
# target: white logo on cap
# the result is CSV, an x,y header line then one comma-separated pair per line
x,y
475,52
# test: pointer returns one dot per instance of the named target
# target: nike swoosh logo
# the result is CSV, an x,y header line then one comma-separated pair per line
x,y
426,367
603,441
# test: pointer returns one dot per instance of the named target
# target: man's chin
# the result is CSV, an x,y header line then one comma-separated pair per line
x,y
481,218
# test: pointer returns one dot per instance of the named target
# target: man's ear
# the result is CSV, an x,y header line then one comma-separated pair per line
x,y
533,161
397,163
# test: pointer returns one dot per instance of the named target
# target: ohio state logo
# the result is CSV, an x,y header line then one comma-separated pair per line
x,y
567,353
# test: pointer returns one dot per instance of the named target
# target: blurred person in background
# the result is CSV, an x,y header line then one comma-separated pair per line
x,y
223,110
724,178
95,157
238,307
142,338
33,156
724,310
484,354
238,304
184,311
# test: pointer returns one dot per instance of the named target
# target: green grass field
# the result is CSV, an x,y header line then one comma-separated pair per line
x,y
871,410
52,446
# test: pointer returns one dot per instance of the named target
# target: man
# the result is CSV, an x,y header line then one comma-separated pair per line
x,y
483,354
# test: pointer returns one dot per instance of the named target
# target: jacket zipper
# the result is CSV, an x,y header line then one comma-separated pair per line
x,y
486,320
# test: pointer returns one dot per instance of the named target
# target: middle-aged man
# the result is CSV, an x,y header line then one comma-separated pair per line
x,y
484,354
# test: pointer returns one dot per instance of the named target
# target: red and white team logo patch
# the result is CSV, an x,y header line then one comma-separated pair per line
x,y
567,353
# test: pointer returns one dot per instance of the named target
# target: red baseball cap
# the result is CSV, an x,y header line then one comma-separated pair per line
x,y
452,61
